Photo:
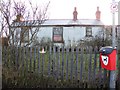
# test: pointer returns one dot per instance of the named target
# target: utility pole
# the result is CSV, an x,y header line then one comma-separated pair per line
x,y
112,82
0,53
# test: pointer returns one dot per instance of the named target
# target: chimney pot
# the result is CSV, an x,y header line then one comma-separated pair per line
x,y
75,14
19,18
98,14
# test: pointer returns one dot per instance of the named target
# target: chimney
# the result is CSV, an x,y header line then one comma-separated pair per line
x,y
98,13
19,18
75,14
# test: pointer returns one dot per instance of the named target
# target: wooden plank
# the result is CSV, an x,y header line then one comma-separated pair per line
x,y
26,59
90,61
30,66
16,58
13,56
10,55
67,55
34,63
22,58
72,57
50,61
86,57
38,59
4,54
7,50
105,79
76,69
62,63
42,68
100,73
95,63
58,62
18,61
7,56
81,63
54,60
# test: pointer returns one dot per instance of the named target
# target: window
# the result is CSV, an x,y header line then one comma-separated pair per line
x,y
88,31
24,34
57,34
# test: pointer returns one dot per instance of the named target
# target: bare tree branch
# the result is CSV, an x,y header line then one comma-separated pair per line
x,y
19,10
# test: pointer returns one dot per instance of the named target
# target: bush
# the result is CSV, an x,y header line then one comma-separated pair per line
x,y
15,79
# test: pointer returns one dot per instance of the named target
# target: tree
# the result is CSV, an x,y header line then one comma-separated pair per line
x,y
103,38
13,13
44,41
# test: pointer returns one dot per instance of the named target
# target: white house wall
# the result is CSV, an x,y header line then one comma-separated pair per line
x,y
69,33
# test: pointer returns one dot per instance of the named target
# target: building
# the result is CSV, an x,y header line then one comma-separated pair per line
x,y
60,31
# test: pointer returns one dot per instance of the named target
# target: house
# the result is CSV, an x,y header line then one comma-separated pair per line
x,y
61,31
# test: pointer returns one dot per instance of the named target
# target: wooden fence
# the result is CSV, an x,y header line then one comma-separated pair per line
x,y
78,66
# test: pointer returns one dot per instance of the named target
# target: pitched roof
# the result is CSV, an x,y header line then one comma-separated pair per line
x,y
71,22
59,22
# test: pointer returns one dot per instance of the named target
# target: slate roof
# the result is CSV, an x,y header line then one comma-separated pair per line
x,y
59,22
71,22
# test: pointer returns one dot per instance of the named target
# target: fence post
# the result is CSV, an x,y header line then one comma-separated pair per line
x,y
114,44
0,65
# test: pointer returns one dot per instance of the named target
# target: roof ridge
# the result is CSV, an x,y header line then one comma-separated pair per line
x,y
72,19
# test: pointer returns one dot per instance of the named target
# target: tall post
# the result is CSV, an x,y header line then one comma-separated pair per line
x,y
118,42
112,82
0,52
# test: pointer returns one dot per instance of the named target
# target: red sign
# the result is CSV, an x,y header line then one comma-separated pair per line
x,y
108,61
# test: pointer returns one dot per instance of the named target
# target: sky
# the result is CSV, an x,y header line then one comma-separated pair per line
x,y
63,9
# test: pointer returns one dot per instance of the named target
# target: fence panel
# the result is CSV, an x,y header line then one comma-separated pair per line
x,y
78,66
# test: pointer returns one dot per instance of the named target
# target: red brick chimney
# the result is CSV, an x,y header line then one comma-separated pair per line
x,y
19,18
98,14
75,14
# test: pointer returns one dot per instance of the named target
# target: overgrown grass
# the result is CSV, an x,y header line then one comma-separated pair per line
x,y
14,79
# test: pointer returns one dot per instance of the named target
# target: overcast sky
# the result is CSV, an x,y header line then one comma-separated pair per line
x,y
63,9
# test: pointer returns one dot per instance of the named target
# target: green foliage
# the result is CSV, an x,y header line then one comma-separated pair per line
x,y
15,79
44,41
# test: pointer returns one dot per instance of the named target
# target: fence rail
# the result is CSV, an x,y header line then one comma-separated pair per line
x,y
66,64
